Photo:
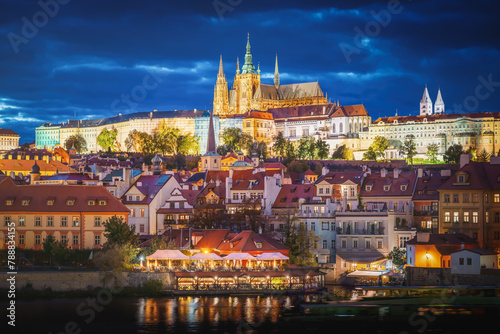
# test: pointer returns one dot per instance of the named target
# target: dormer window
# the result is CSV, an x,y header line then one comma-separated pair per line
x,y
50,201
387,187
91,202
25,202
70,202
102,202
9,202
368,188
403,187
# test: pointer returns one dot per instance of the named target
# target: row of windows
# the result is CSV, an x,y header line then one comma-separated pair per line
x,y
63,239
468,198
367,244
63,222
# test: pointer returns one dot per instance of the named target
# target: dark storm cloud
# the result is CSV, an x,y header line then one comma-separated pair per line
x,y
95,58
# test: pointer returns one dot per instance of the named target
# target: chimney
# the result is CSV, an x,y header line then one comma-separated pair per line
x,y
423,236
383,172
396,173
420,173
462,245
324,171
464,159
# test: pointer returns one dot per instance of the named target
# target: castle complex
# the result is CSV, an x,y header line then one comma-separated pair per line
x,y
248,93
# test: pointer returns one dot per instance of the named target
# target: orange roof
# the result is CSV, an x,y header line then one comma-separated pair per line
x,y
25,166
54,198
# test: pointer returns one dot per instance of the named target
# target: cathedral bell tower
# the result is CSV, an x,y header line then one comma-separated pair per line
x,y
221,94
245,84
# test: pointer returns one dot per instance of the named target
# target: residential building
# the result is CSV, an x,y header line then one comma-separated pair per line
x,y
469,202
471,261
145,197
426,199
434,250
70,213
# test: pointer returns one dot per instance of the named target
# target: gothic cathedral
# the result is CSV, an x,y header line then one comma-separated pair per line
x,y
248,93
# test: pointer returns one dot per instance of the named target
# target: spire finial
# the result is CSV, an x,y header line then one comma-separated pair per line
x,y
276,73
248,66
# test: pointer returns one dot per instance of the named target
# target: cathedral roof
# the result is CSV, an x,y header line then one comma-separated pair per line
x,y
291,91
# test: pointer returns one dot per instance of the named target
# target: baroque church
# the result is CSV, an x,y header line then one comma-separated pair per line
x,y
248,93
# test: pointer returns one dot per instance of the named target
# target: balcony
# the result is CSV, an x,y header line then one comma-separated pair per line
x,y
360,231
425,213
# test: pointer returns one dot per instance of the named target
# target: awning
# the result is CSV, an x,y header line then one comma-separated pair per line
x,y
168,254
239,256
272,256
367,273
361,258
204,256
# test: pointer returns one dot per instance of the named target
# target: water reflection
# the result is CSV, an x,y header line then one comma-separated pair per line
x,y
193,311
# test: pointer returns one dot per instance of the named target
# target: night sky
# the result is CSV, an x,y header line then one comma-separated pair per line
x,y
90,59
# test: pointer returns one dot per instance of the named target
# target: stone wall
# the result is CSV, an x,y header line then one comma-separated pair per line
x,y
71,281
443,277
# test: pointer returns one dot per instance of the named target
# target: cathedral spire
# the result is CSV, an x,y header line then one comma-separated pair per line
x,y
237,65
276,73
221,69
439,104
248,66
211,135
426,103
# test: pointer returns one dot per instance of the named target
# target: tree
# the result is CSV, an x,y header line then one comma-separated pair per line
x,y
236,139
397,256
409,148
132,142
483,156
306,148
48,245
249,215
289,152
118,232
432,152
298,166
453,153
377,149
299,239
258,147
188,144
344,153
77,141
279,145
146,143
107,139
322,149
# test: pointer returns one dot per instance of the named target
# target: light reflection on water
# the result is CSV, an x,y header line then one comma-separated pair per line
x,y
208,310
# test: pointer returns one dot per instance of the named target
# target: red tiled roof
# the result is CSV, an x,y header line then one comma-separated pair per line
x,y
445,239
378,182
25,166
39,194
481,175
290,194
248,241
431,118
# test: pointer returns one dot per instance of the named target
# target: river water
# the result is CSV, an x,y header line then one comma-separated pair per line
x,y
108,314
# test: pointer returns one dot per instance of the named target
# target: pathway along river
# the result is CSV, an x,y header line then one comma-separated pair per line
x,y
205,314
